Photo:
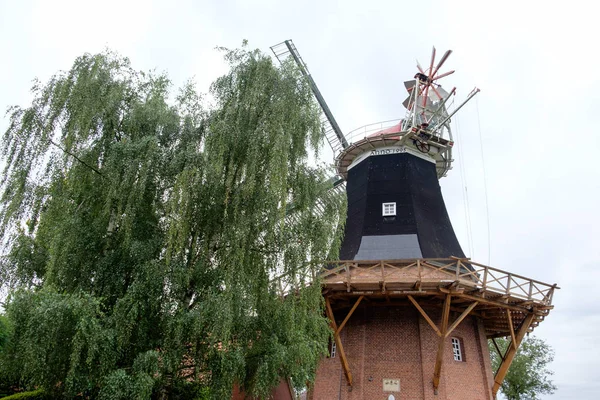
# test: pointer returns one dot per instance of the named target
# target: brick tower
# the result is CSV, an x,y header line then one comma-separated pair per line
x,y
411,315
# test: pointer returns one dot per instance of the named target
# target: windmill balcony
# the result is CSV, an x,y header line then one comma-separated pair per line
x,y
497,293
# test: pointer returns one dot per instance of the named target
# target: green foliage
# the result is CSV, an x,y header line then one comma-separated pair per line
x,y
4,331
528,375
144,234
185,390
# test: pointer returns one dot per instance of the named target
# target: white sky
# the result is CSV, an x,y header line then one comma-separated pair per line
x,y
537,66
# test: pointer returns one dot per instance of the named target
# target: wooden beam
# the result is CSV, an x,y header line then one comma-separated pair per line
x,y
460,318
511,351
484,302
339,329
513,341
496,335
338,342
497,348
451,289
460,301
437,371
424,314
491,302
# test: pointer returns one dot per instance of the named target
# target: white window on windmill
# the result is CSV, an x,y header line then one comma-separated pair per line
x,y
457,349
389,209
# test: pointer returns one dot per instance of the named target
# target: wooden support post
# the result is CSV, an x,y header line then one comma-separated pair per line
x,y
437,371
348,278
424,314
513,341
460,318
339,329
510,354
338,342
498,348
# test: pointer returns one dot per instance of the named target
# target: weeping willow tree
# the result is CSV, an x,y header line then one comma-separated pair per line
x,y
143,232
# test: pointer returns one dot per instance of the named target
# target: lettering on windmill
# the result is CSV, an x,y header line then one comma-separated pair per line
x,y
395,150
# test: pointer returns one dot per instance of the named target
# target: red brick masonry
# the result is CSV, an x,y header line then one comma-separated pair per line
x,y
397,343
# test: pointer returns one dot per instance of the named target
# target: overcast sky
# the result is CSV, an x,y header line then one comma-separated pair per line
x,y
536,65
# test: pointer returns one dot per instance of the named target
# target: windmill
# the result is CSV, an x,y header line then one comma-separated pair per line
x,y
411,314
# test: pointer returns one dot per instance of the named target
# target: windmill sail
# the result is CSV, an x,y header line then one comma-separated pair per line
x,y
331,129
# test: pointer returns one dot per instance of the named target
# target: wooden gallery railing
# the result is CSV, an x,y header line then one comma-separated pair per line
x,y
487,280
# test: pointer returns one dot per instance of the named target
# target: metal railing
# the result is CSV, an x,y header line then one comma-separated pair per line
x,y
359,134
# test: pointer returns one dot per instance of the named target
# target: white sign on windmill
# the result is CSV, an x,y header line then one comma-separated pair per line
x,y
391,385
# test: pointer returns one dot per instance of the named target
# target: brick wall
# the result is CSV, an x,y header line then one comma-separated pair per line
x,y
397,343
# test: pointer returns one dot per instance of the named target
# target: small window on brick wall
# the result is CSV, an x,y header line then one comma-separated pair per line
x,y
332,348
389,209
457,349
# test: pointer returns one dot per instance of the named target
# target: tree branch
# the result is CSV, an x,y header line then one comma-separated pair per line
x,y
77,158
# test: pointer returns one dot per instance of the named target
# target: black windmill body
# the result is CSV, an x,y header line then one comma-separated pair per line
x,y
396,211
